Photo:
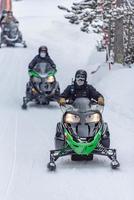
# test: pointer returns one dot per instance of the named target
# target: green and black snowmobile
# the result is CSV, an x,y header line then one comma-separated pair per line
x,y
42,87
82,134
11,35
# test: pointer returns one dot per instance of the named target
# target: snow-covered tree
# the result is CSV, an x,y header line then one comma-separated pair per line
x,y
114,19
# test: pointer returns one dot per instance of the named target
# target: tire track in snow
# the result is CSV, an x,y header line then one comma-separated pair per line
x,y
14,159
18,81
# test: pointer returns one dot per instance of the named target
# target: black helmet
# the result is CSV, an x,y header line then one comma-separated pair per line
x,y
10,12
81,73
80,77
43,48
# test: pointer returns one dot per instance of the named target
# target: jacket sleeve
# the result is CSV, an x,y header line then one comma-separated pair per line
x,y
3,20
93,93
33,63
51,62
15,20
66,92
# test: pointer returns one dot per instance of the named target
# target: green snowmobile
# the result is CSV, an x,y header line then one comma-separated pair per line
x,y
82,134
42,87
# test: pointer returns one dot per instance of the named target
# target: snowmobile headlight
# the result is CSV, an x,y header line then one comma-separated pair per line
x,y
6,29
50,79
94,118
71,118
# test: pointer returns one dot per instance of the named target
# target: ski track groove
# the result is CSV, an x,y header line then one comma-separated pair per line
x,y
12,174
14,159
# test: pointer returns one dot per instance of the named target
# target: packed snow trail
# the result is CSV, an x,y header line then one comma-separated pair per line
x,y
27,136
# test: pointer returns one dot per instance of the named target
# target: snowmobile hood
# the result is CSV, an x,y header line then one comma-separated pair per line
x,y
80,147
33,73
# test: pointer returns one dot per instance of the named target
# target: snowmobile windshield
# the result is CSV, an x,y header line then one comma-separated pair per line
x,y
82,105
12,25
43,68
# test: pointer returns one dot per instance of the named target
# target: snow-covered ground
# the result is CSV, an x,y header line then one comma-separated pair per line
x,y
27,136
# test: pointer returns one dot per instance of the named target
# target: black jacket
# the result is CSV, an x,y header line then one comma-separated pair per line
x,y
37,59
73,91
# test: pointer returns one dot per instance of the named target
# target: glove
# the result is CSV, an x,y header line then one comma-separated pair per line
x,y
34,91
62,101
100,101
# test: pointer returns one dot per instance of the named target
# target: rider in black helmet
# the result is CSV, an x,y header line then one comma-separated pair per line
x,y
42,56
8,18
80,88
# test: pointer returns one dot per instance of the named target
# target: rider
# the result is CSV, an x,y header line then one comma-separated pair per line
x,y
80,88
9,18
42,57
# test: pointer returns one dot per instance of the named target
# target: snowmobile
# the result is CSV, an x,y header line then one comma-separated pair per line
x,y
82,133
10,35
42,87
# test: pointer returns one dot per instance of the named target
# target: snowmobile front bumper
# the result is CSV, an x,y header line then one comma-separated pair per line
x,y
100,150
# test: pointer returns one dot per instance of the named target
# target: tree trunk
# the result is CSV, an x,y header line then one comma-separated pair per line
x,y
118,39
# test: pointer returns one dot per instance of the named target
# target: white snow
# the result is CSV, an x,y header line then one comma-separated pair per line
x,y
27,136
